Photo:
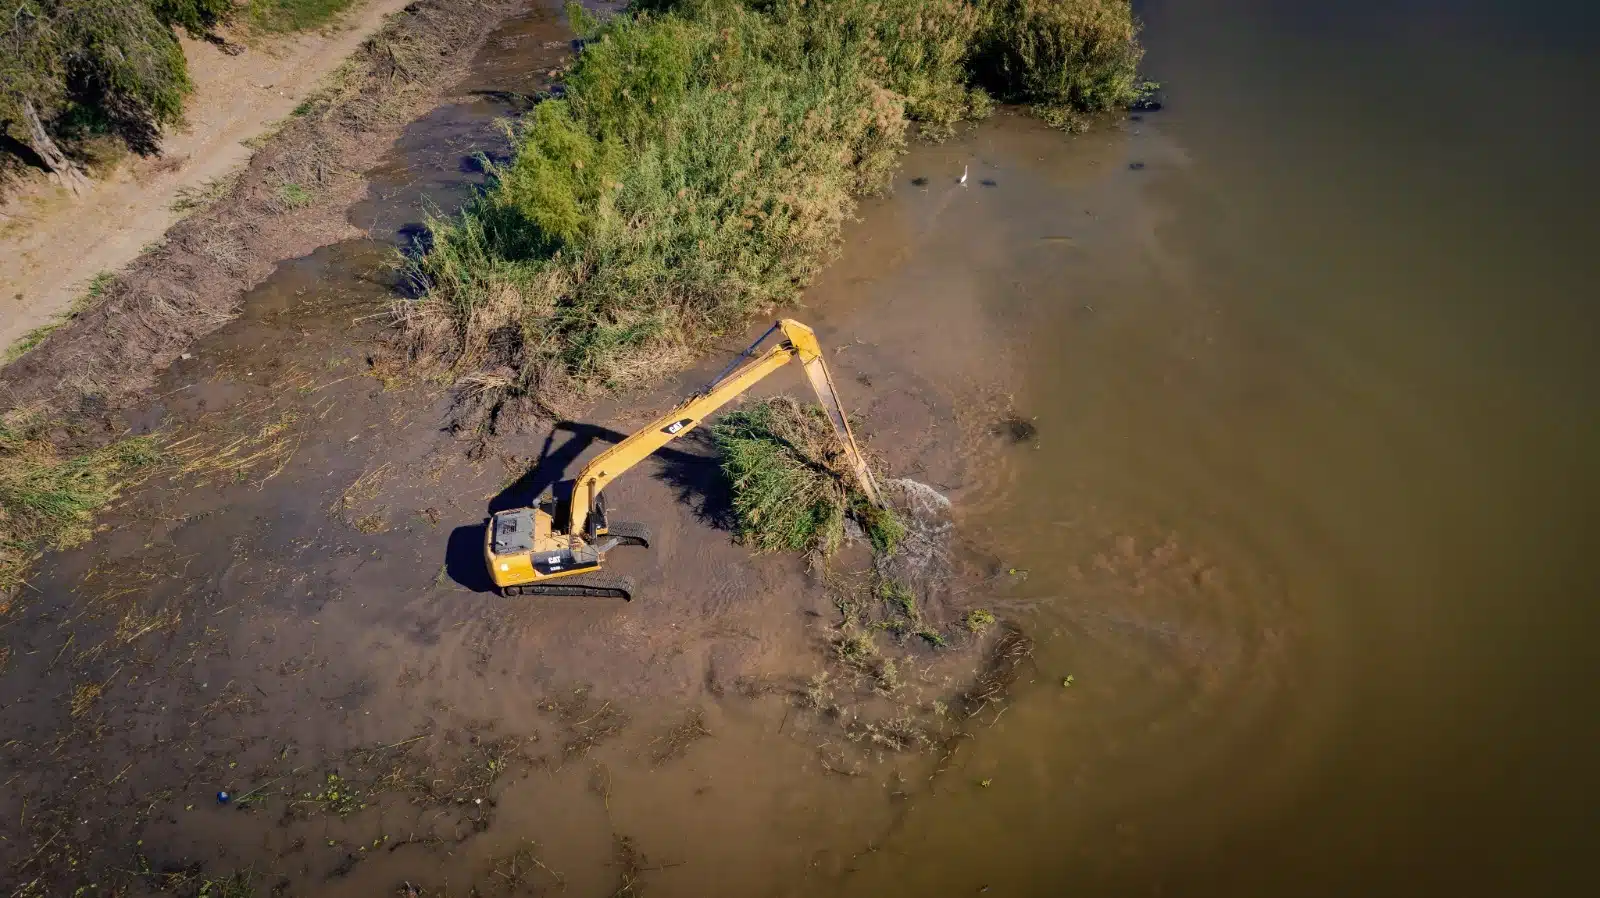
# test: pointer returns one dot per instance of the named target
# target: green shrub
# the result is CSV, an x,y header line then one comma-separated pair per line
x,y
77,75
1067,58
74,73
916,48
697,171
291,15
700,166
979,620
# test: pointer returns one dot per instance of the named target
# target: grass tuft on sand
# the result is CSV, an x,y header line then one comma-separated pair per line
x,y
294,15
96,289
51,501
792,487
697,171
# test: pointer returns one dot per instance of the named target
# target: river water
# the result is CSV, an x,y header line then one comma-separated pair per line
x,y
1326,322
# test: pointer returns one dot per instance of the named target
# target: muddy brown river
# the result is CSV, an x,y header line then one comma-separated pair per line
x,y
1299,528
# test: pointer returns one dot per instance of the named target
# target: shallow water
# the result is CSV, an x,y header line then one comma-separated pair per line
x,y
1309,517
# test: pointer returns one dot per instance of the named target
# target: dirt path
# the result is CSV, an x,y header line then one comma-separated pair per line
x,y
237,98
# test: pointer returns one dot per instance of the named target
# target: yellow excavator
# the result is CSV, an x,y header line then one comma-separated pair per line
x,y
558,547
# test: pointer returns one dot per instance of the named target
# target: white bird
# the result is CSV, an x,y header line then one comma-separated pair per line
x,y
963,180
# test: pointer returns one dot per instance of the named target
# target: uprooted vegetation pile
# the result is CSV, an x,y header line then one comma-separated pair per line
x,y
793,488
50,500
887,674
699,166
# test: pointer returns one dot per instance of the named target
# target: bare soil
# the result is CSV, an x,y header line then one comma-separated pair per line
x,y
301,619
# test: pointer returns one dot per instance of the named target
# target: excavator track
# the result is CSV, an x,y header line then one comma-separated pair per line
x,y
594,587
630,533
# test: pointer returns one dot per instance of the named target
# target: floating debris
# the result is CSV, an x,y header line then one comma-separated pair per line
x,y
1017,429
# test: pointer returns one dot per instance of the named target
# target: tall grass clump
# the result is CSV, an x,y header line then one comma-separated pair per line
x,y
919,49
1065,58
47,500
697,170
792,487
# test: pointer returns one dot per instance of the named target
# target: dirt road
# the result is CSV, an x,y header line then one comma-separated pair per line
x,y
53,245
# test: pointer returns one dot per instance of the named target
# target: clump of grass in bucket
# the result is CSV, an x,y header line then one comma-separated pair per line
x,y
50,500
792,489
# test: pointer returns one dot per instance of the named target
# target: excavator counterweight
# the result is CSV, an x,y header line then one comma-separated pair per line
x,y
559,546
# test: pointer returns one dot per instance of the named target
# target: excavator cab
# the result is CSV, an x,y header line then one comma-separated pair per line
x,y
529,553
558,546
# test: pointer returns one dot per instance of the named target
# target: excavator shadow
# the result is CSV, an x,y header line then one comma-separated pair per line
x,y
690,467
463,559
696,475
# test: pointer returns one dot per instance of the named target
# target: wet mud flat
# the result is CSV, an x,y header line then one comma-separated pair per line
x,y
279,666
296,615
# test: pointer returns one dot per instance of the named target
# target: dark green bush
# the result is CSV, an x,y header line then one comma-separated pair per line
x,y
73,68
72,71
197,17
1067,58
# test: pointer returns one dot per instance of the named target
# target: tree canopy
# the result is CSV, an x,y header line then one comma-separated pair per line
x,y
70,69
197,17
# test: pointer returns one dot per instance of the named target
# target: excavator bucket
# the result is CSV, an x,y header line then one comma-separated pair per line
x,y
804,340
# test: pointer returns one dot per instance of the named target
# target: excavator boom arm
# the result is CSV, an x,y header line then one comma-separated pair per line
x,y
800,342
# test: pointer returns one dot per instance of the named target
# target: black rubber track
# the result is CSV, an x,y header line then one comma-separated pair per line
x,y
630,533
581,586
